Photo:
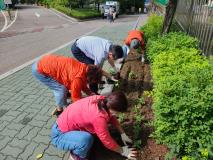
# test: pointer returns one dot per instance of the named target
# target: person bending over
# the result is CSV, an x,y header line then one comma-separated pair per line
x,y
62,75
75,127
94,50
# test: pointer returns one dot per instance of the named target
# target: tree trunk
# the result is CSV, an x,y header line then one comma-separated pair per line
x,y
170,11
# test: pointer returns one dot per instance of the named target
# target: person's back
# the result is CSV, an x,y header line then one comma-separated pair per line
x,y
64,69
81,115
95,48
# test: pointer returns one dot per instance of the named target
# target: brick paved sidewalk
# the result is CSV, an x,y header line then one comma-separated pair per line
x,y
26,105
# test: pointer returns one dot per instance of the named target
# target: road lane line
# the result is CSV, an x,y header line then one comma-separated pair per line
x,y
67,17
5,20
4,75
12,21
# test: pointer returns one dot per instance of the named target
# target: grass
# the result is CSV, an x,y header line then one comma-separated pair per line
x,y
78,13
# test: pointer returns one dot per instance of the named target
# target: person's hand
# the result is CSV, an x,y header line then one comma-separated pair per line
x,y
130,153
125,139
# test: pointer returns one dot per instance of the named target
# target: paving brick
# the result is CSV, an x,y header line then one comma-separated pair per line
x,y
32,133
24,106
15,126
12,158
10,132
46,108
48,157
28,100
2,157
42,118
53,151
25,131
4,142
44,132
20,117
50,123
28,151
3,112
37,123
15,151
3,125
13,113
7,118
42,139
19,143
31,110
14,104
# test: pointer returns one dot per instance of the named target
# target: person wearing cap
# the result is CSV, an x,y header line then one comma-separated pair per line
x,y
64,74
135,39
94,50
88,117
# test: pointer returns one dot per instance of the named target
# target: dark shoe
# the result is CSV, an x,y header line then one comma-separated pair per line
x,y
56,112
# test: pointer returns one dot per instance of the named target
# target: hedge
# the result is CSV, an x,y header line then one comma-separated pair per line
x,y
183,95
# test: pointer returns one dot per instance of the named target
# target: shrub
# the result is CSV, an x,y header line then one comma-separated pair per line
x,y
171,41
78,13
153,26
183,83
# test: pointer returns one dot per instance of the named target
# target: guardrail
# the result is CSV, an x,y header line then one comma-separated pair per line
x,y
196,18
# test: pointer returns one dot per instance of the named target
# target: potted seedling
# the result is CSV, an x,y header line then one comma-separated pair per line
x,y
132,75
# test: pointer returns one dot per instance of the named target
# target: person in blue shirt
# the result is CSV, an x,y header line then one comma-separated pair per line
x,y
94,50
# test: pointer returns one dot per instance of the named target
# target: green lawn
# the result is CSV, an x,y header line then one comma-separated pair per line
x,y
78,13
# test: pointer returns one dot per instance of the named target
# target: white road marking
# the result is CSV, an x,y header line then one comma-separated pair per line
x,y
67,17
12,21
5,21
32,61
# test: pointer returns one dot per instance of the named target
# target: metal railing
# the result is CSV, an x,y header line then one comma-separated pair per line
x,y
196,18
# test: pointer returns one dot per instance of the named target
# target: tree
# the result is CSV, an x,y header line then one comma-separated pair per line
x,y
170,11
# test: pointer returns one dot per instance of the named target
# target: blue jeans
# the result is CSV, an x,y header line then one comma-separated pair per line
x,y
80,56
59,90
77,142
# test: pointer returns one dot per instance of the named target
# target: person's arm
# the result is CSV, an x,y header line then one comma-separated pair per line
x,y
76,88
117,125
101,130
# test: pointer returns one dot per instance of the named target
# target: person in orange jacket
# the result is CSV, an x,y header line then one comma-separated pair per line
x,y
134,40
62,75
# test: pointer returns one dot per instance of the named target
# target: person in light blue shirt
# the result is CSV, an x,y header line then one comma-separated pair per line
x,y
94,50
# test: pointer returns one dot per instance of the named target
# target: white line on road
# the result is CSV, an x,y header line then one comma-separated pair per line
x,y
5,21
69,19
12,21
31,61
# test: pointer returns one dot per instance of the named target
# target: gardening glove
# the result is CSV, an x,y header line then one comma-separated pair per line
x,y
130,153
113,79
125,139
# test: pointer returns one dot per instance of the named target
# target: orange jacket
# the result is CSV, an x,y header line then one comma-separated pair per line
x,y
135,34
67,71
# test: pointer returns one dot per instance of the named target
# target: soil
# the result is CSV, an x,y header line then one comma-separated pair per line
x,y
135,79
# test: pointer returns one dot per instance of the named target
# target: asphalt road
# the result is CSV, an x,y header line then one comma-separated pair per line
x,y
38,30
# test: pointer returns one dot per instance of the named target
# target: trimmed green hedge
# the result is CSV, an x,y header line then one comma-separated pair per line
x,y
183,95
153,27
171,41
78,13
